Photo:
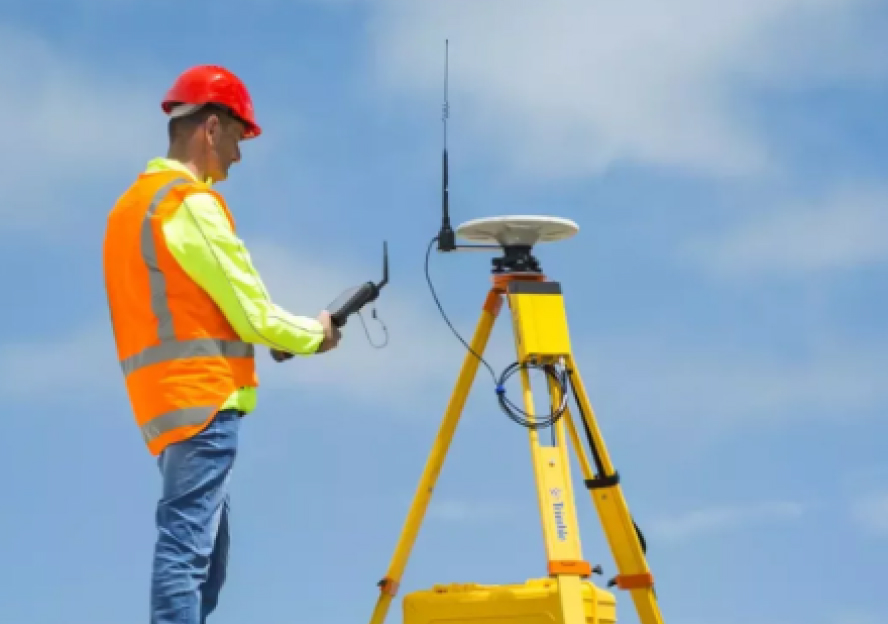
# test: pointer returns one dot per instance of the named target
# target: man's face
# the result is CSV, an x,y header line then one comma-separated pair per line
x,y
223,136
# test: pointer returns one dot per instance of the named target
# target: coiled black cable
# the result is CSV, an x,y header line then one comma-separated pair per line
x,y
520,416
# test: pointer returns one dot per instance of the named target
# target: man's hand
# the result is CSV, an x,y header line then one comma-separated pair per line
x,y
331,333
331,338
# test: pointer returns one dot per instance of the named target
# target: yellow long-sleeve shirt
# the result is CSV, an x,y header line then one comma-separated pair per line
x,y
201,240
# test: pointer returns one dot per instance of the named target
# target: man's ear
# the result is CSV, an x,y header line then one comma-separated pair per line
x,y
213,128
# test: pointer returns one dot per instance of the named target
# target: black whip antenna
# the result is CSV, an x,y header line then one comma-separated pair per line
x,y
446,237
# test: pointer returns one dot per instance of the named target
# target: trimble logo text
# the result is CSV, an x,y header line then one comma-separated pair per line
x,y
560,526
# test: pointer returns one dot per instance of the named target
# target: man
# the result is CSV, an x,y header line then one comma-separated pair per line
x,y
187,308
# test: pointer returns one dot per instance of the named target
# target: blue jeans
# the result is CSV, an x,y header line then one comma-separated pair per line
x,y
191,552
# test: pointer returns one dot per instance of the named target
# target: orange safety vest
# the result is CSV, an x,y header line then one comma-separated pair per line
x,y
180,356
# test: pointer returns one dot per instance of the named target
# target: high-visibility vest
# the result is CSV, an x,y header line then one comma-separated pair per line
x,y
180,356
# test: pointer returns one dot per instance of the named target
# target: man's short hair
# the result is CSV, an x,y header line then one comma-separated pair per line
x,y
182,124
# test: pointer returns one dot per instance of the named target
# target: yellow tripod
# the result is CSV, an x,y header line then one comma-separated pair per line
x,y
542,339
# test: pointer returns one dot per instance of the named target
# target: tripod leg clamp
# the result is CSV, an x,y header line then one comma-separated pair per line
x,y
632,581
579,568
599,483
388,586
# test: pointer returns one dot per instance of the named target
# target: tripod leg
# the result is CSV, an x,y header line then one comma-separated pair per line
x,y
613,511
390,583
558,513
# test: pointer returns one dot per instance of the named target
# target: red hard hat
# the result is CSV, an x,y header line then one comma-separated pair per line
x,y
211,84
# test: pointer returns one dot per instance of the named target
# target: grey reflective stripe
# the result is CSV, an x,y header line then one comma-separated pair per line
x,y
187,416
156,279
200,347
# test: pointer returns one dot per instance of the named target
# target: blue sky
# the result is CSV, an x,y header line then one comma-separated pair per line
x,y
727,294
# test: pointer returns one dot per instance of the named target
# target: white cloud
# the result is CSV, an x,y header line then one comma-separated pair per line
x,y
718,519
463,511
422,358
574,86
71,122
78,365
422,355
871,513
640,377
85,126
720,387
841,231
855,616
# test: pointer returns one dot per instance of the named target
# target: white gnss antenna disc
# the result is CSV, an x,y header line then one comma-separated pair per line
x,y
520,230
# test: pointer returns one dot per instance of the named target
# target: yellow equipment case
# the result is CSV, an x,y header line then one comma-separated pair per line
x,y
534,602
